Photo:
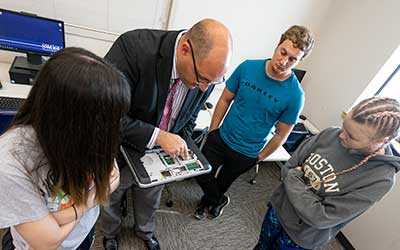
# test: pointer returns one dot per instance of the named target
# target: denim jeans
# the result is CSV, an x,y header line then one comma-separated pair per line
x,y
273,236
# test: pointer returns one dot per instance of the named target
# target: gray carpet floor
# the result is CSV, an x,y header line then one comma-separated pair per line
x,y
237,228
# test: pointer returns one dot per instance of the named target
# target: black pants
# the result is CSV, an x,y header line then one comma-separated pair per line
x,y
233,165
7,242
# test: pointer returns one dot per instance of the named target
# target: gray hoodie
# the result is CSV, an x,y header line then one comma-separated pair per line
x,y
313,216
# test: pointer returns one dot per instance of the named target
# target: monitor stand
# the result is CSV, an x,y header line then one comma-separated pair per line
x,y
23,70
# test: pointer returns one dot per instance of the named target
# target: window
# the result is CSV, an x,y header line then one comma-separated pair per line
x,y
391,88
386,82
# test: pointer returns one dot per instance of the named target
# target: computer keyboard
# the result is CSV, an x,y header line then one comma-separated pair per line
x,y
10,103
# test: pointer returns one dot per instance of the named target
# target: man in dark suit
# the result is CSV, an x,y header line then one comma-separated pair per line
x,y
171,74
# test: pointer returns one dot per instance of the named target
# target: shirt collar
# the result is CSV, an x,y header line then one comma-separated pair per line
x,y
175,74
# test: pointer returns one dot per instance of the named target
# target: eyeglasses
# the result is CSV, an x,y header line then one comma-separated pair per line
x,y
198,83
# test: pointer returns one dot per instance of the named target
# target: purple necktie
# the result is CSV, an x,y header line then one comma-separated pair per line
x,y
166,116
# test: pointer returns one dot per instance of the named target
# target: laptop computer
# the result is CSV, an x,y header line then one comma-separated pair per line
x,y
156,167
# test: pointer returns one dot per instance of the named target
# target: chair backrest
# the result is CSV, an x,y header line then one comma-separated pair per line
x,y
298,134
299,74
199,137
6,117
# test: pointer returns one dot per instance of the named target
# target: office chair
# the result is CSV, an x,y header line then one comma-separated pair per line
x,y
6,117
298,134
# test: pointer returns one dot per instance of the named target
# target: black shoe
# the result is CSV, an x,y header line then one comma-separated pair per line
x,y
110,244
152,244
216,211
201,211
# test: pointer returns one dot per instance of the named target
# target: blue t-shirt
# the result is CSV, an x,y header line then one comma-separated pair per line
x,y
259,103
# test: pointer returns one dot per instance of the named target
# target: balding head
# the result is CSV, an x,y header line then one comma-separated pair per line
x,y
210,43
207,35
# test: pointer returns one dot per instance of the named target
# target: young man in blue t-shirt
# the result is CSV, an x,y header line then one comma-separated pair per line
x,y
265,93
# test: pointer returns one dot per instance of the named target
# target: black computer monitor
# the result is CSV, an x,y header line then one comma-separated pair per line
x,y
31,34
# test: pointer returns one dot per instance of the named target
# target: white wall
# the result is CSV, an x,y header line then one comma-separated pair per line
x,y
354,38
109,17
357,39
379,227
256,25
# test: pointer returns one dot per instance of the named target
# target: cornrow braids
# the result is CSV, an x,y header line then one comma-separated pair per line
x,y
382,113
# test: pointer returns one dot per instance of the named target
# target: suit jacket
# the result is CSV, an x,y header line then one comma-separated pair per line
x,y
145,57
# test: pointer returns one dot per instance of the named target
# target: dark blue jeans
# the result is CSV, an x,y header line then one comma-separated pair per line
x,y
273,236
7,242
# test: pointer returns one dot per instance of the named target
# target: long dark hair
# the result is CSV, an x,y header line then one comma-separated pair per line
x,y
75,107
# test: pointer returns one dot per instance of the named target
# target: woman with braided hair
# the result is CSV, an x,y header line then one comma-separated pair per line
x,y
334,177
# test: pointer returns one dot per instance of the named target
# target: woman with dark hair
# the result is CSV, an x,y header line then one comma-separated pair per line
x,y
58,156
334,177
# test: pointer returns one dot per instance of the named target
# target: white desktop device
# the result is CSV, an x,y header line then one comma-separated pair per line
x,y
156,167
160,166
